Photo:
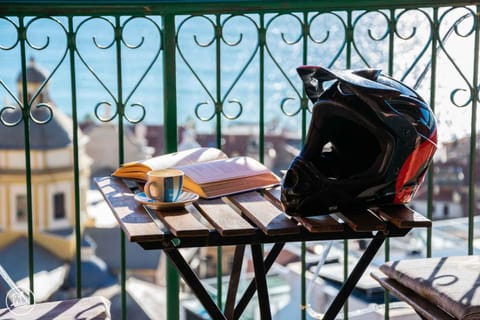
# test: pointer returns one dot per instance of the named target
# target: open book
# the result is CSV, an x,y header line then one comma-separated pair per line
x,y
209,172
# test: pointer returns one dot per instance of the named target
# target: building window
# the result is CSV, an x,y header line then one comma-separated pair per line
x,y
21,207
446,210
58,206
59,211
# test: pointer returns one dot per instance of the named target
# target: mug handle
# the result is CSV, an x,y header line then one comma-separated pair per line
x,y
146,189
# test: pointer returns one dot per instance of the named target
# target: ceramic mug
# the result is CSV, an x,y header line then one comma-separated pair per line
x,y
164,185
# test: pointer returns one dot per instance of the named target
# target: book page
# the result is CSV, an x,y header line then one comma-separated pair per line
x,y
184,157
225,169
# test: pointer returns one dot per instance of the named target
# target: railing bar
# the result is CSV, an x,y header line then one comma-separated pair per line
x,y
26,125
303,255
430,177
349,40
218,78
473,137
73,84
219,111
121,157
391,48
261,57
108,7
170,135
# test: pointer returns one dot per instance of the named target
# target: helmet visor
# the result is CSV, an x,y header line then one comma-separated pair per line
x,y
343,144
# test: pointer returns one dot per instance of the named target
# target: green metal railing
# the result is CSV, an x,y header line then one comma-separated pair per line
x,y
212,51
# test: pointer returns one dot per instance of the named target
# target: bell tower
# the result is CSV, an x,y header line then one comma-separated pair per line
x,y
52,170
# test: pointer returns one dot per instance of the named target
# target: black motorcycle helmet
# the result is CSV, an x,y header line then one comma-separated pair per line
x,y
370,142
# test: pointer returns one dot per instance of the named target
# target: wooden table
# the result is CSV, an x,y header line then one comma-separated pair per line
x,y
249,219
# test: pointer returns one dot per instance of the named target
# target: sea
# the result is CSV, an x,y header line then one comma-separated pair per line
x,y
226,71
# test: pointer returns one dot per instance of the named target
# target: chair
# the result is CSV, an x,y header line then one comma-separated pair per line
x,y
436,288
84,308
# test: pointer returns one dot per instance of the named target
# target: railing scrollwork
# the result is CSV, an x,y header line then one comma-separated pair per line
x,y
118,35
217,97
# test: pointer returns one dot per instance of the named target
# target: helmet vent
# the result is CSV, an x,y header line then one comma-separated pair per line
x,y
328,147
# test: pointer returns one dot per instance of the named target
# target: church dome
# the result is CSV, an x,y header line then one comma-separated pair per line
x,y
35,74
55,134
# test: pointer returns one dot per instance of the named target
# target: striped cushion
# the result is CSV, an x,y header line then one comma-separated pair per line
x,y
451,283
84,308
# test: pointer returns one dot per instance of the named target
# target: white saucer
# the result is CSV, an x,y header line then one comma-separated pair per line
x,y
185,198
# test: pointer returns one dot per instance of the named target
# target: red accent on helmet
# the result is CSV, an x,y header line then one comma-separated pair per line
x,y
413,171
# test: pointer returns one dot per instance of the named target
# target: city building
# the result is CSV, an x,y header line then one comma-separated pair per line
x,y
52,167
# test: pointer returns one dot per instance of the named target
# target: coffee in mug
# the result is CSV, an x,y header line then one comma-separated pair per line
x,y
164,185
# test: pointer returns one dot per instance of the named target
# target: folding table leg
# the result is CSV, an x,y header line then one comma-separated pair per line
x,y
194,283
355,275
261,282
234,279
252,287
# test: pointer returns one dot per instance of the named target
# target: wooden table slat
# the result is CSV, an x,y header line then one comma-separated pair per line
x,y
314,224
224,218
274,196
362,221
404,217
264,214
137,225
317,224
182,223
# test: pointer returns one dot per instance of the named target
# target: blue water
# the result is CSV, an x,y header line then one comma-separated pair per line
x,y
283,53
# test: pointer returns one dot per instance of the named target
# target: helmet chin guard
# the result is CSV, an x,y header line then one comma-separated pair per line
x,y
370,142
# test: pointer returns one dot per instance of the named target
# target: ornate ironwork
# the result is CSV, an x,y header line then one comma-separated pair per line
x,y
118,36
218,98
407,42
